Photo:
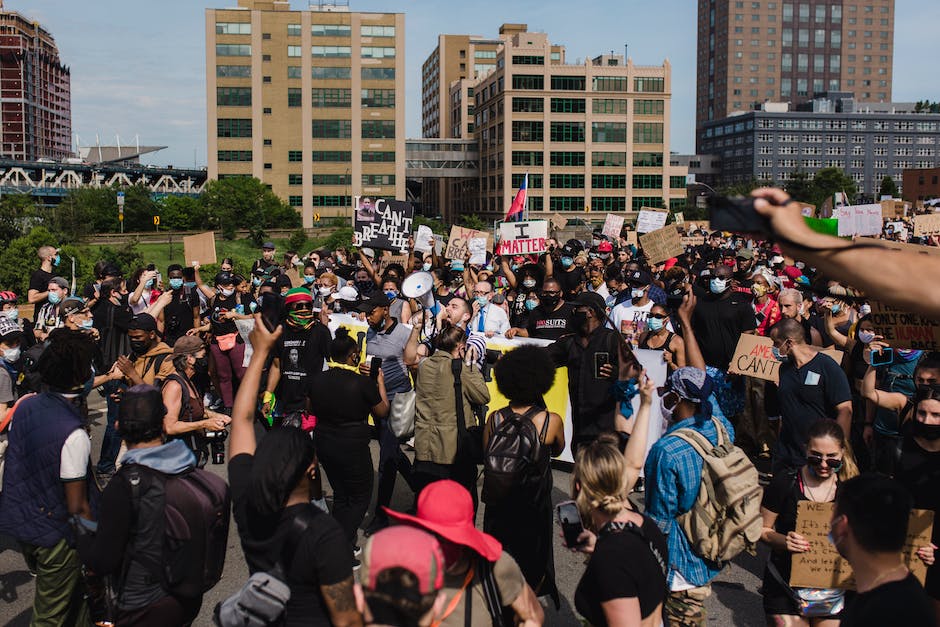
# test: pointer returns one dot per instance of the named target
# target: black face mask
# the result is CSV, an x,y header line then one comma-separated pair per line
x,y
140,348
923,430
365,287
549,302
201,366
579,320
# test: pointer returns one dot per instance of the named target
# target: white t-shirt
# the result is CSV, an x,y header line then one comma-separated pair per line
x,y
76,452
601,290
631,319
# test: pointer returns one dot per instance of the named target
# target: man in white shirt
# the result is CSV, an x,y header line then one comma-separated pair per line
x,y
629,317
487,318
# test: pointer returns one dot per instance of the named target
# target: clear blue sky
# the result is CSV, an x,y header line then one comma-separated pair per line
x,y
138,68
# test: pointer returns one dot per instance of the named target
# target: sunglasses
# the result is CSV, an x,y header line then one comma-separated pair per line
x,y
835,465
658,316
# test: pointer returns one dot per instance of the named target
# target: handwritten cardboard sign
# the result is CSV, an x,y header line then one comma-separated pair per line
x,y
927,224
200,248
522,238
558,221
753,357
823,567
662,244
382,224
858,220
613,226
693,240
894,208
457,242
902,329
651,219
807,210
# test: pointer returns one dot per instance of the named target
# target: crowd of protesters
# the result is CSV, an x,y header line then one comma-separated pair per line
x,y
248,367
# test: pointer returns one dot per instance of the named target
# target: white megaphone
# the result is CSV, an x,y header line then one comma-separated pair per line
x,y
419,286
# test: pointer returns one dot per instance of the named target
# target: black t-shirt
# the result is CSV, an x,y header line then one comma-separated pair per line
x,y
623,567
518,314
341,400
301,355
570,281
178,314
263,265
221,305
321,558
550,325
39,281
781,497
919,471
807,394
719,323
896,603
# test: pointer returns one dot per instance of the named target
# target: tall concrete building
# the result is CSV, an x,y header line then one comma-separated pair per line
x,y
35,92
754,52
311,102
593,136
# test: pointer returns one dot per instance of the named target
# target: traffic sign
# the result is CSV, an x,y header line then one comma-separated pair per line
x,y
316,217
120,200
121,217
156,220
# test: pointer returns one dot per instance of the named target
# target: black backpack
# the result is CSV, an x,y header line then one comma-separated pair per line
x,y
514,463
28,367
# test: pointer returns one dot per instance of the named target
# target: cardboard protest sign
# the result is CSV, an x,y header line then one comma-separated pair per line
x,y
631,238
902,329
662,244
692,240
899,246
894,208
651,219
823,567
423,239
808,210
679,217
477,247
753,357
457,242
383,224
927,224
559,221
522,238
200,248
613,226
858,220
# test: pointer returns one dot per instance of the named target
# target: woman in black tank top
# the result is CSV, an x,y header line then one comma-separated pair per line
x,y
658,337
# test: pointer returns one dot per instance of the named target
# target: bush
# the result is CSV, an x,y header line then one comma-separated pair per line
x,y
18,261
341,237
297,241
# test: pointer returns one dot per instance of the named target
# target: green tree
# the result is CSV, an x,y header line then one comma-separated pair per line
x,y
297,241
889,187
18,259
243,202
18,212
473,221
744,188
436,226
828,181
342,237
800,186
182,213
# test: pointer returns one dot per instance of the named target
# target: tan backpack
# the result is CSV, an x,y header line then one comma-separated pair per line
x,y
725,518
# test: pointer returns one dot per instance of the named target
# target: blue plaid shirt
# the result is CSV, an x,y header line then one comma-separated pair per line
x,y
673,476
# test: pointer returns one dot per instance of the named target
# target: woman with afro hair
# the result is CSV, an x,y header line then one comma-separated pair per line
x,y
520,515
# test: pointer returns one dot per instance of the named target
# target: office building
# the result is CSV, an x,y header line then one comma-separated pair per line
x,y
867,141
921,184
593,136
36,103
311,102
755,52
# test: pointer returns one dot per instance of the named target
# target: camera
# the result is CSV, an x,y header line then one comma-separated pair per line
x,y
217,445
675,292
736,214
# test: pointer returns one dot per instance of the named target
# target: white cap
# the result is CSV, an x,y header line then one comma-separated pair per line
x,y
777,259
368,252
347,292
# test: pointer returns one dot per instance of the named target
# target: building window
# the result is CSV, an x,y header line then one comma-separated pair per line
x,y
566,203
647,181
233,127
330,30
649,84
647,132
609,159
528,105
328,73
647,159
566,181
609,181
266,111
295,201
377,31
528,157
232,50
535,181
331,156
333,129
527,131
295,155
484,54
332,201
649,107
568,83
609,132
377,73
233,96
609,105
265,57
528,81
233,28
331,98
294,51
528,60
378,157
233,71
677,182
378,98
639,202
234,155
293,30
295,179
567,132
294,71
294,97
608,203
609,83
332,179
378,129
566,158
568,105
378,52
331,51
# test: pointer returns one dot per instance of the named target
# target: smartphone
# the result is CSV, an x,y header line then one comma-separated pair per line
x,y
735,214
272,310
884,357
600,359
375,366
570,520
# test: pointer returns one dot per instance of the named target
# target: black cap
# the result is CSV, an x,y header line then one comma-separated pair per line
x,y
142,322
568,251
70,305
639,277
268,246
593,300
111,270
224,278
378,300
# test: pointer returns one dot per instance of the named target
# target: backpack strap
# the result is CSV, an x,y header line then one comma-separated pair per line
x,y
295,534
494,599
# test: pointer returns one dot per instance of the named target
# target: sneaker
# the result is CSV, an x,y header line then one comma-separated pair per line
x,y
356,564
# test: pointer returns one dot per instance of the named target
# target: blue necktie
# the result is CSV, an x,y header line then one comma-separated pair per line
x,y
480,324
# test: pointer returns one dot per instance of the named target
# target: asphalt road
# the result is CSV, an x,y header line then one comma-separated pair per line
x,y
734,601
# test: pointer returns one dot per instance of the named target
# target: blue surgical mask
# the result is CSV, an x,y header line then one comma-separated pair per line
x,y
531,304
655,324
12,314
456,267
426,267
256,281
482,301
54,297
567,262
637,292
190,284
57,260
149,284
309,278
392,294
718,286
836,309
175,284
87,323
778,355
514,267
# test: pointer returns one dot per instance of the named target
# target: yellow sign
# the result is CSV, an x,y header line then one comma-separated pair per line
x,y
121,217
316,217
156,220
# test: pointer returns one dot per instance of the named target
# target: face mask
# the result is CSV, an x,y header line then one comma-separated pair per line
x,y
12,314
531,304
227,293
256,281
758,290
514,267
54,297
529,283
190,284
549,301
297,262
489,267
800,265
10,355
864,310
778,355
918,429
666,411
140,348
309,278
175,284
865,337
302,318
325,291
57,260
340,259
579,319
717,286
392,294
637,292
426,267
604,256
567,262
149,284
655,324
201,365
835,310
596,281
87,323
364,287
482,301
456,267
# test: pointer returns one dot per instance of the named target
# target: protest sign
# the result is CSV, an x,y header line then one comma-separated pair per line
x,y
753,357
630,238
823,567
650,220
662,244
200,248
679,217
903,329
559,221
808,210
457,242
383,224
927,224
858,220
477,248
613,226
894,208
423,239
522,238
692,240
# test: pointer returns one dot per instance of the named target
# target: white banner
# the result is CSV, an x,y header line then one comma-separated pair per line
x,y
522,238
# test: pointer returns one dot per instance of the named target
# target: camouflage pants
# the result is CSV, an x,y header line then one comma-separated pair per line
x,y
686,608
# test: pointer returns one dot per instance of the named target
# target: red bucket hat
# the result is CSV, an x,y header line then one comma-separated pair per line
x,y
446,509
